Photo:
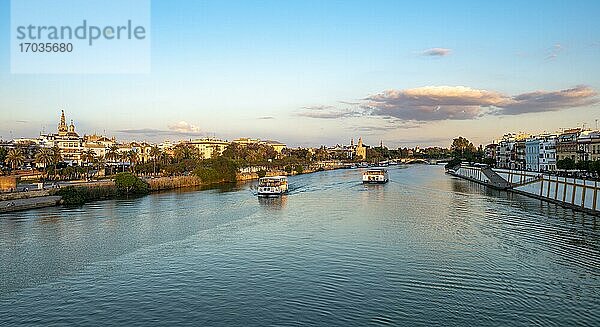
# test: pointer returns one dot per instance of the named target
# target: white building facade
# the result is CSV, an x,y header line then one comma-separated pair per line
x,y
540,153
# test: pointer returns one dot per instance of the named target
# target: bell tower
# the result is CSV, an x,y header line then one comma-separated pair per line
x,y
62,126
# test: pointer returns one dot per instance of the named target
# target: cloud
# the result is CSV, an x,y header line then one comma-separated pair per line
x,y
375,129
436,52
328,112
436,103
145,131
266,117
349,103
326,115
433,103
318,108
541,101
152,132
184,127
554,51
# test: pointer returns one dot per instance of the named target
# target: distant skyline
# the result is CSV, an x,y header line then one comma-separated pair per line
x,y
322,72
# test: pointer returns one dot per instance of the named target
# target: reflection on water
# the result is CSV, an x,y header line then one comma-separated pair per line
x,y
424,249
274,202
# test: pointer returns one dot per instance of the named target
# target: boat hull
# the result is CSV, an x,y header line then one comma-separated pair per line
x,y
376,182
270,194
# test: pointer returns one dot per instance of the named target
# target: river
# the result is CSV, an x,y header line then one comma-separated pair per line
x,y
424,249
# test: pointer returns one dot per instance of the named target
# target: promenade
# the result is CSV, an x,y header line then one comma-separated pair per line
x,y
29,203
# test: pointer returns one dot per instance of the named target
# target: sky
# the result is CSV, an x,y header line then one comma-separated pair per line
x,y
308,73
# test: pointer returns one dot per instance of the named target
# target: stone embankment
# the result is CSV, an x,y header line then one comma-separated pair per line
x,y
578,194
28,203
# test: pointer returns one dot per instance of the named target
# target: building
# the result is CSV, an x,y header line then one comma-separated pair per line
x,y
66,140
540,153
519,162
505,151
143,151
98,144
511,151
276,145
532,154
588,148
341,152
566,144
246,141
361,150
491,150
209,147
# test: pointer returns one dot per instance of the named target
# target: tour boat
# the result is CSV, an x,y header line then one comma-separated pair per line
x,y
376,175
272,186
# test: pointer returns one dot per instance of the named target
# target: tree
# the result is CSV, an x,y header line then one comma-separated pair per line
x,y
3,153
56,155
124,157
374,155
566,163
321,154
15,158
128,183
595,167
112,155
154,154
44,157
299,169
216,170
132,157
461,147
184,151
583,165
164,158
88,157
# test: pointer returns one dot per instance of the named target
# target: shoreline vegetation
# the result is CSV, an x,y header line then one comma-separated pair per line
x,y
126,184
126,174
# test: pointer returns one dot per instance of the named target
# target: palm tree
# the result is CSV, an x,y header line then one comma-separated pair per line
x,y
101,161
124,157
44,157
154,154
88,157
183,151
15,158
56,155
133,158
112,155
164,158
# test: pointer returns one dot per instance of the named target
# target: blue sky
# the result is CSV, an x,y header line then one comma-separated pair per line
x,y
316,72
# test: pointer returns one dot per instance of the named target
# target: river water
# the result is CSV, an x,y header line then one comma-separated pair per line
x,y
424,249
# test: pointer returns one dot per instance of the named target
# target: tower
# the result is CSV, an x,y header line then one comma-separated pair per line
x,y
361,151
62,126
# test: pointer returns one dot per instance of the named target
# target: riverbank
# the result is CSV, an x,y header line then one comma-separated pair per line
x,y
19,201
573,193
29,203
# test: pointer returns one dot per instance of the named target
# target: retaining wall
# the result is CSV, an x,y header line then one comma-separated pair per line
x,y
570,192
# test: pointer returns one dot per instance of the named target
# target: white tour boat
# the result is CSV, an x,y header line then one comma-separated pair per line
x,y
272,186
376,175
